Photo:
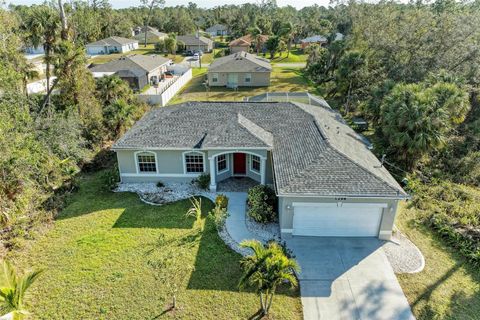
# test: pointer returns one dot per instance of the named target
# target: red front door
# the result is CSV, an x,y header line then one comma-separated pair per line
x,y
239,163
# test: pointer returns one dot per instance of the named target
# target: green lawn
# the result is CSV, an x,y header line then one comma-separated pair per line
x,y
282,79
295,56
95,260
149,49
448,288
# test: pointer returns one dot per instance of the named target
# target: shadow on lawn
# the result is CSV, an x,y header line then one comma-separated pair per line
x,y
460,304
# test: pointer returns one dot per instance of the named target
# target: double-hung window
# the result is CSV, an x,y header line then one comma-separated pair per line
x,y
146,162
248,77
255,163
214,77
222,163
194,163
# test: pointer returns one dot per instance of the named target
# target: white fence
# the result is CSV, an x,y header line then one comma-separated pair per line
x,y
162,98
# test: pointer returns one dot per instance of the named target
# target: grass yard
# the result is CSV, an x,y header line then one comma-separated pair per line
x,y
447,288
95,260
296,56
149,49
282,79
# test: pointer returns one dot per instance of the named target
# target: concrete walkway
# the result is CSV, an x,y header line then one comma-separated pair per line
x,y
235,223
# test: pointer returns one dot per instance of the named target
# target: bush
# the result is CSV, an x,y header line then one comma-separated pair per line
x,y
160,184
203,181
262,204
111,178
222,201
219,215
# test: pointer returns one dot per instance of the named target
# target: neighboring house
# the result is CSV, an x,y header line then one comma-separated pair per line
x,y
327,181
240,69
196,43
152,36
35,50
218,30
246,42
319,39
138,70
112,45
140,29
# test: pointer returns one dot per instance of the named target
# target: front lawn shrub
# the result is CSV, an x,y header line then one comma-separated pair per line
x,y
160,184
203,181
222,201
111,178
262,204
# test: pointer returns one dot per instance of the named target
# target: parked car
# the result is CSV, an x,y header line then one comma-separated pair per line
x,y
200,52
189,53
196,56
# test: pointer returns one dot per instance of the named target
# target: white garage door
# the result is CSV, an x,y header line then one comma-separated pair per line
x,y
330,220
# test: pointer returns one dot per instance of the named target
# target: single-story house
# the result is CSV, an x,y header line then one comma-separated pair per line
x,y
193,42
140,29
152,36
319,39
112,45
246,42
327,181
138,70
240,69
218,30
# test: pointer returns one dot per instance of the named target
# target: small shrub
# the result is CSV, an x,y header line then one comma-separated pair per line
x,y
219,215
222,201
203,181
111,178
196,211
262,204
160,184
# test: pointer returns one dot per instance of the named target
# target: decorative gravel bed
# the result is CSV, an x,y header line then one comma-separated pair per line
x,y
263,231
170,192
403,255
225,236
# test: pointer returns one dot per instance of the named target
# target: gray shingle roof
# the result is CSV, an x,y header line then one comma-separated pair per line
x,y
240,62
135,62
112,41
151,33
314,152
193,40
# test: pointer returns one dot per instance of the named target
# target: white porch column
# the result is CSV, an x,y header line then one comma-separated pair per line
x,y
213,175
263,165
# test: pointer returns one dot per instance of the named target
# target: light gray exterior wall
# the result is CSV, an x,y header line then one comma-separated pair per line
x,y
97,49
235,49
286,214
258,79
170,165
203,47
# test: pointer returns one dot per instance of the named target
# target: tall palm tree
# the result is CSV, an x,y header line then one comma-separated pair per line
x,y
257,38
112,88
43,26
265,269
288,33
12,293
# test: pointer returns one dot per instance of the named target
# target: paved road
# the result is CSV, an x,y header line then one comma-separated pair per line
x,y
347,278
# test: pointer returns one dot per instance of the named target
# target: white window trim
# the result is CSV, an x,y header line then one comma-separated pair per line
x,y
215,77
227,168
137,168
185,163
251,164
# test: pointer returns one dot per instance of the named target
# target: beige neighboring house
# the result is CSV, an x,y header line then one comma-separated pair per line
x,y
153,36
193,42
111,45
240,69
246,42
138,70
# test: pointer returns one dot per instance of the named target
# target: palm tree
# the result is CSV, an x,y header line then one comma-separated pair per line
x,y
257,37
42,26
112,88
287,33
118,116
12,293
29,73
265,269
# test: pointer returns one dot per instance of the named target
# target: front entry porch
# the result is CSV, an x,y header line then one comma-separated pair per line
x,y
236,184
228,167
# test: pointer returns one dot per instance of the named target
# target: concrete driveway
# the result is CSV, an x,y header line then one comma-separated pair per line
x,y
347,278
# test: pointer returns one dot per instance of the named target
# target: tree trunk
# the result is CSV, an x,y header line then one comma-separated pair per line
x,y
145,30
269,303
262,303
174,301
47,72
63,17
289,46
